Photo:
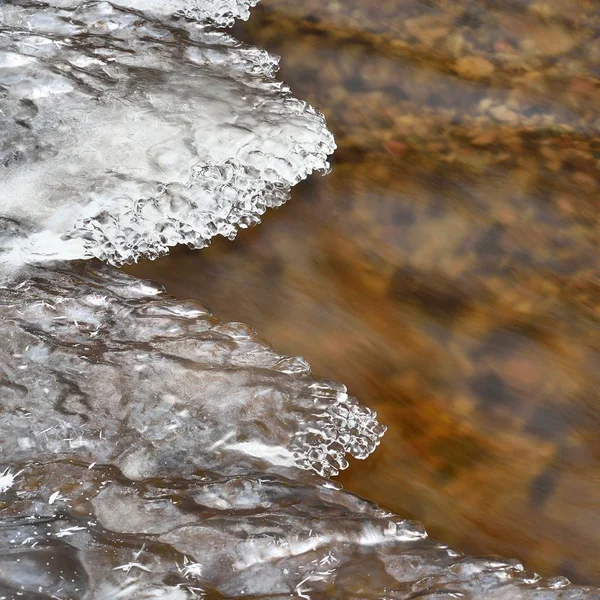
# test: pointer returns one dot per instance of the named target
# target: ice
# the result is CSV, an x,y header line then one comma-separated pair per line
x,y
123,136
106,367
147,449
217,12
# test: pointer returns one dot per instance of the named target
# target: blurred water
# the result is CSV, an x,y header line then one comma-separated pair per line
x,y
150,450
447,270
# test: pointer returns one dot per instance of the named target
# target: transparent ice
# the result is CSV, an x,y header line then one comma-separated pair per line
x,y
148,450
123,135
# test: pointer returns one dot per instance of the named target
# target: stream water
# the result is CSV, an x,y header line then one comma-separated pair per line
x,y
149,450
447,270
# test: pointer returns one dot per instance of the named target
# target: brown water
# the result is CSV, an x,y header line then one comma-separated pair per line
x,y
447,270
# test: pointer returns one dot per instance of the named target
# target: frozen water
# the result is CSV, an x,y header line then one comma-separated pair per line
x,y
123,136
150,451
105,367
217,12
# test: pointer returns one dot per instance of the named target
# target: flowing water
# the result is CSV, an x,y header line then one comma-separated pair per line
x,y
150,450
447,269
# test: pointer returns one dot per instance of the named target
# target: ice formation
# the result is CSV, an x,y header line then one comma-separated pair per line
x,y
218,12
102,365
124,135
148,450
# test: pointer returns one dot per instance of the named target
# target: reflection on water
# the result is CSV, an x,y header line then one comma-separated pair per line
x,y
447,270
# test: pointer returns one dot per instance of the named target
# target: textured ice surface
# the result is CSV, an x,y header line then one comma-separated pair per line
x,y
105,366
122,135
217,12
148,451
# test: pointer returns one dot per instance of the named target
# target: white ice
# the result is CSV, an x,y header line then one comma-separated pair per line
x,y
148,450
123,137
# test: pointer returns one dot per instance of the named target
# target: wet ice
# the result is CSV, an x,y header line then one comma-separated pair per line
x,y
148,450
106,367
217,12
124,136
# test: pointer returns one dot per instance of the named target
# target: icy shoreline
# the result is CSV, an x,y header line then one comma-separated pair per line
x,y
148,450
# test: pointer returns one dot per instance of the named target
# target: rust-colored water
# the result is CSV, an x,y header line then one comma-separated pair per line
x,y
447,270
